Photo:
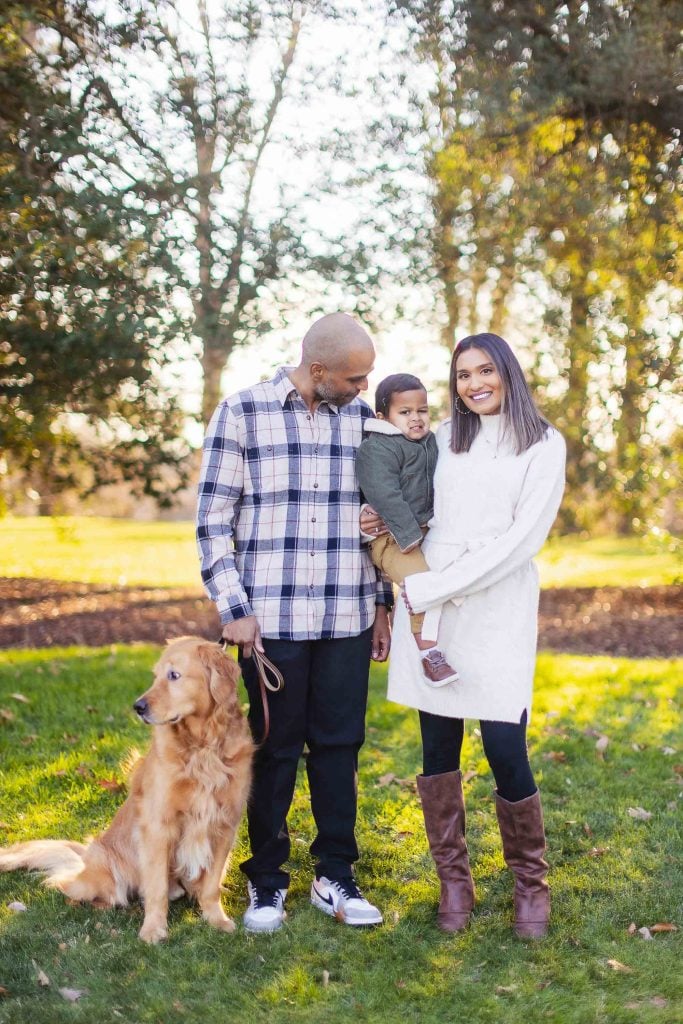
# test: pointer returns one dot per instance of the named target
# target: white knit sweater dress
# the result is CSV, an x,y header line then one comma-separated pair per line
x,y
492,513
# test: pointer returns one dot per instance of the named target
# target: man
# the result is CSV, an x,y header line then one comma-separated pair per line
x,y
282,558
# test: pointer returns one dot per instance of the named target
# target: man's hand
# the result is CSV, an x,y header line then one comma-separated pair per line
x,y
381,634
244,633
372,523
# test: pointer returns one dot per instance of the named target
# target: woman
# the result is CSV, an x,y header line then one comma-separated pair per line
x,y
498,486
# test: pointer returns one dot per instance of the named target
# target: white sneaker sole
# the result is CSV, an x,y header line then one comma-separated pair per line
x,y
442,682
328,909
264,929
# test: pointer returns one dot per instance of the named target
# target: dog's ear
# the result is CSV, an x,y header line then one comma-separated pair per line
x,y
223,673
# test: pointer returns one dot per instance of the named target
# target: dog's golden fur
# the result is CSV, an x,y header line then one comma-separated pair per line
x,y
176,829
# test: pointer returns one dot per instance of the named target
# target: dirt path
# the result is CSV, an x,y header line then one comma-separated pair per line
x,y
633,622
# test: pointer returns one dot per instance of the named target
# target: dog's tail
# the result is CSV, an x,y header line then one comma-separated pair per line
x,y
52,856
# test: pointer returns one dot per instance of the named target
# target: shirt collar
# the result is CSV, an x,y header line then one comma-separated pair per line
x,y
284,388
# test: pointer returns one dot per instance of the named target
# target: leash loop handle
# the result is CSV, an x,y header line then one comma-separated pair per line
x,y
264,669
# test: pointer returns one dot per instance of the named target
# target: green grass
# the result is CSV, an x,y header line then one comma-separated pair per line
x,y
128,553
78,727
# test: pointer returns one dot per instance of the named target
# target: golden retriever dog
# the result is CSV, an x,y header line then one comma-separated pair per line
x,y
174,833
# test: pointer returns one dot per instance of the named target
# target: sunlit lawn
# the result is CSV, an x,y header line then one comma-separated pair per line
x,y
124,552
608,868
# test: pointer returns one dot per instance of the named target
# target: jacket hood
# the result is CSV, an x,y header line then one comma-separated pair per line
x,y
380,427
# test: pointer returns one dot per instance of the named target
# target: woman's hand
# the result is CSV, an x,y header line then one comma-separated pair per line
x,y
371,523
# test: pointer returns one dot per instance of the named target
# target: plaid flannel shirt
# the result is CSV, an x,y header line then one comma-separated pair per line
x,y
277,522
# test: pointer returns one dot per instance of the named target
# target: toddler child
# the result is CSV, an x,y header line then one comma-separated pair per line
x,y
395,465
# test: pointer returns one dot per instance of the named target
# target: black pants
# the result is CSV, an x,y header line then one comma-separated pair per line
x,y
504,745
323,705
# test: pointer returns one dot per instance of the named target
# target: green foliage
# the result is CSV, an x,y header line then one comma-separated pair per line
x,y
607,868
87,307
557,202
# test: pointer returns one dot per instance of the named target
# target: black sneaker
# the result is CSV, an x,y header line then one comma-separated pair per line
x,y
266,910
341,898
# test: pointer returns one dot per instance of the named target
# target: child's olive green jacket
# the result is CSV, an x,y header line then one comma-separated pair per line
x,y
396,476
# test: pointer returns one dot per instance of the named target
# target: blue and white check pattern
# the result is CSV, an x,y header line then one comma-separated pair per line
x,y
277,522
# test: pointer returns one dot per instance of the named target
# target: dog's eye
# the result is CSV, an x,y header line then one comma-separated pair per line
x,y
172,675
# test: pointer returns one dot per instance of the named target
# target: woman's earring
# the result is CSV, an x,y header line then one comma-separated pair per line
x,y
458,409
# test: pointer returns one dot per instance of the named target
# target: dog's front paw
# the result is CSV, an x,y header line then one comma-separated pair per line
x,y
226,925
217,919
153,932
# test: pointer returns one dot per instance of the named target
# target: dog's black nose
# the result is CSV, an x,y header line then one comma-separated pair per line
x,y
141,707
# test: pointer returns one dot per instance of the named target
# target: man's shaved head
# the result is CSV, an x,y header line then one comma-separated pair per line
x,y
332,338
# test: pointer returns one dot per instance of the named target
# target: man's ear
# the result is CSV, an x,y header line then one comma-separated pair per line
x,y
223,673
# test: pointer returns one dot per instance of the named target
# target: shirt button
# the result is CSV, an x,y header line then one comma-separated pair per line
x,y
313,519
308,417
315,485
312,554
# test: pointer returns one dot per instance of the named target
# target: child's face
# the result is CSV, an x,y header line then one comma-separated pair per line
x,y
409,411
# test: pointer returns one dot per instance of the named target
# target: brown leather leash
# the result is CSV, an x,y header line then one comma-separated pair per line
x,y
264,667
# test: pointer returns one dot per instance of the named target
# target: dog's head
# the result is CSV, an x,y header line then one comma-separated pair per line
x,y
191,678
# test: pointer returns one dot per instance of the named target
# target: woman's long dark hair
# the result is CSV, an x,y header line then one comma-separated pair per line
x,y
524,424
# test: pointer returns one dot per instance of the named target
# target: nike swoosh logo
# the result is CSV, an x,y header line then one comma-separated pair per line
x,y
325,899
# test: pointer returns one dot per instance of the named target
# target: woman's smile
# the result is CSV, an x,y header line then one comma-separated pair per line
x,y
478,382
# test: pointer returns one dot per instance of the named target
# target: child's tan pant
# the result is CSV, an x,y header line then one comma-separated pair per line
x,y
397,564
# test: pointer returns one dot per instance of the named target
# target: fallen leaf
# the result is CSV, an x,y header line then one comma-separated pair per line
x,y
632,928
72,995
6,715
598,851
20,697
678,769
5,824
27,740
404,835
645,934
665,750
325,978
384,780
41,976
62,946
468,776
17,907
617,965
84,771
659,1001
555,755
587,829
111,784
639,813
60,772
395,917
602,744
502,990
664,927
407,783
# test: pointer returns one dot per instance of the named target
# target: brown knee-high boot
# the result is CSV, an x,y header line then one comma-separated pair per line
x,y
521,829
443,806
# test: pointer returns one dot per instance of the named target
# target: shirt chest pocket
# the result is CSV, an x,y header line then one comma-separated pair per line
x,y
269,470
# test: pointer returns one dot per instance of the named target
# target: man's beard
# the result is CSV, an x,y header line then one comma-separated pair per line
x,y
327,394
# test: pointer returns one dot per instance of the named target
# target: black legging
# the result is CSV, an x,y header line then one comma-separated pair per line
x,y
504,746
